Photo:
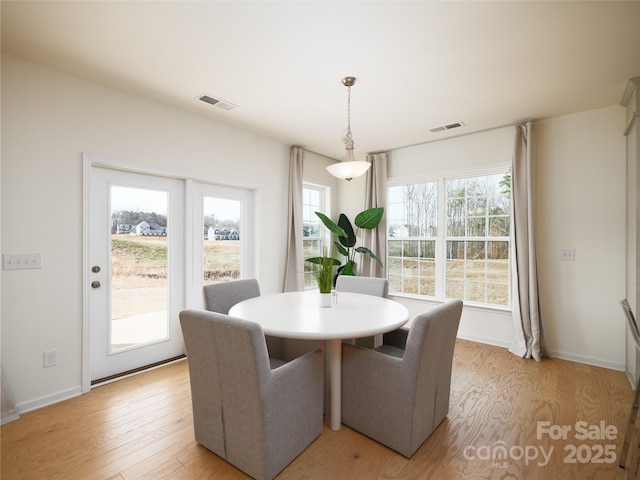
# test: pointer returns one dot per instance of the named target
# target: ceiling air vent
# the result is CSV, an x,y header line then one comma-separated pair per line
x,y
447,127
216,102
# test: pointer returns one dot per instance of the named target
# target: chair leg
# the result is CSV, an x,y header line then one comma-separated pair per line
x,y
632,472
631,425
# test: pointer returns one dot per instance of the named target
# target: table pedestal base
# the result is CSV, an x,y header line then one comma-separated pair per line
x,y
334,380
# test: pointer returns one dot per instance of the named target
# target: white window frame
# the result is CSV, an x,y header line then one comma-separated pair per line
x,y
413,238
441,236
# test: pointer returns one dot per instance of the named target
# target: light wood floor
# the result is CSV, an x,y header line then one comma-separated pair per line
x,y
141,427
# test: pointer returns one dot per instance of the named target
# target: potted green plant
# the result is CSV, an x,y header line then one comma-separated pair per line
x,y
323,271
347,237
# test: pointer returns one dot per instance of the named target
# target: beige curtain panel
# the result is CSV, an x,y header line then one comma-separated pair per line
x,y
376,196
527,324
294,272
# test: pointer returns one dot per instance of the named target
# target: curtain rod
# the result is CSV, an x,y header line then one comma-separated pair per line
x,y
513,124
316,153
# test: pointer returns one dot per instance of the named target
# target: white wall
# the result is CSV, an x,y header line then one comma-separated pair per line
x,y
49,119
581,204
475,150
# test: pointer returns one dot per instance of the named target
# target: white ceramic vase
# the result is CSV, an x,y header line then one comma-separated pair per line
x,y
326,299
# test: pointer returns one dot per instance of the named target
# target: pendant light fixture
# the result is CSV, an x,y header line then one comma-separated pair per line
x,y
349,168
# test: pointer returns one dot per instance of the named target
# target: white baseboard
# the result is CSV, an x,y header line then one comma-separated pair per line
x,y
630,377
9,417
485,340
49,399
596,362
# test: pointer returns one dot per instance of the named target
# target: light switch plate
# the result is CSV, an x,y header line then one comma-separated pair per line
x,y
21,261
568,254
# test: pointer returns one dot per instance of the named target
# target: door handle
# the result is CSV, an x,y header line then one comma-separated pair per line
x,y
95,284
95,269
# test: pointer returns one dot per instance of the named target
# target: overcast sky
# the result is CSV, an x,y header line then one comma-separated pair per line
x,y
143,200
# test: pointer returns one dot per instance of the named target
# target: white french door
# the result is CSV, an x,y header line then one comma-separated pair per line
x,y
223,246
136,255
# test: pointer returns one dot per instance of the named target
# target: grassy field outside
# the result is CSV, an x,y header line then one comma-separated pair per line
x,y
484,281
221,261
146,257
139,271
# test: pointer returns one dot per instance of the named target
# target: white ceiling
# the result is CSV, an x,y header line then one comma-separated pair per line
x,y
419,64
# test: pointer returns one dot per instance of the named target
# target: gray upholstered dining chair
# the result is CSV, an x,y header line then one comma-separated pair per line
x,y
369,286
220,297
255,412
399,393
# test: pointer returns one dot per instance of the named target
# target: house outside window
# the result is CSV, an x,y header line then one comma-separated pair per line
x,y
449,238
313,200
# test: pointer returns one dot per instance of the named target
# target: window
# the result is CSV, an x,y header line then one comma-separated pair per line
x,y
412,218
449,238
313,200
477,239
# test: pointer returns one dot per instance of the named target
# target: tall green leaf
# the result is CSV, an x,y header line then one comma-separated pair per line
x,y
333,228
370,253
370,218
349,240
322,260
341,249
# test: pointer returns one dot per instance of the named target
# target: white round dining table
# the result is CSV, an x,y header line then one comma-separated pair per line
x,y
299,315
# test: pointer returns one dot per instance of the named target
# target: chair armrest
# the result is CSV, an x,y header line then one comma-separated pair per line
x,y
302,376
364,366
397,338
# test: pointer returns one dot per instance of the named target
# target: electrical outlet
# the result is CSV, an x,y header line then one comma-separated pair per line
x,y
568,254
50,358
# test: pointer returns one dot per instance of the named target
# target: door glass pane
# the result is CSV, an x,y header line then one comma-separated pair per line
x,y
138,267
221,246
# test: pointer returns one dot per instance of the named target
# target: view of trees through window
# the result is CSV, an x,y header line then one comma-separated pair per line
x,y
412,218
312,201
461,252
477,239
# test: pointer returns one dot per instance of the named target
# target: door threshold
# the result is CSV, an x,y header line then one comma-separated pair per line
x,y
129,373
